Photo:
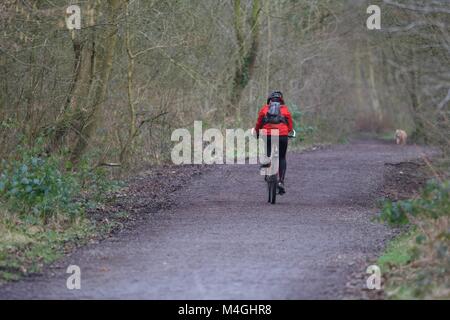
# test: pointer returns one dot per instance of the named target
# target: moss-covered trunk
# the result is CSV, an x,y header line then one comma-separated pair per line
x,y
246,57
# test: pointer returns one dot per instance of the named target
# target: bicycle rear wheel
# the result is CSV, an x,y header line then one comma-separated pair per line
x,y
272,189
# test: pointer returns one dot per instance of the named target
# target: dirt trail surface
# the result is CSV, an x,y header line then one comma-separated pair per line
x,y
222,240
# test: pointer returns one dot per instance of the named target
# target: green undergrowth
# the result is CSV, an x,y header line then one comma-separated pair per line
x,y
416,264
44,203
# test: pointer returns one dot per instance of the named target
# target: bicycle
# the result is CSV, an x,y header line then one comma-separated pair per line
x,y
272,177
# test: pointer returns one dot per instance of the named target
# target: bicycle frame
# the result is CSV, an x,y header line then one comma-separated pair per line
x,y
271,170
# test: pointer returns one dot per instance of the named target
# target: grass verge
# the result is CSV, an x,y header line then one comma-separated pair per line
x,y
43,210
416,264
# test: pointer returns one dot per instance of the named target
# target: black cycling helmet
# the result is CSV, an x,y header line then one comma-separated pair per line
x,y
275,96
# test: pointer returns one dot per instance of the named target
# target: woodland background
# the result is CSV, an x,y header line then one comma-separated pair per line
x,y
116,89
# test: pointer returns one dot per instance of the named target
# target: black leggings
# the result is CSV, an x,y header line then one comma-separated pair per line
x,y
282,149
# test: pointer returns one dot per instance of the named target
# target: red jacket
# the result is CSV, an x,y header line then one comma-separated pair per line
x,y
283,128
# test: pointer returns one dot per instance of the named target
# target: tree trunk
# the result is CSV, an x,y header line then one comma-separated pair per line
x,y
269,43
419,131
84,56
132,130
376,108
99,85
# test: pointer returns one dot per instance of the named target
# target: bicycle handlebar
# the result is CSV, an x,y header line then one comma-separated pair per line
x,y
292,134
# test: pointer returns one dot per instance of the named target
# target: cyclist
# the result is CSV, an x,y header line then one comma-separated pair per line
x,y
273,116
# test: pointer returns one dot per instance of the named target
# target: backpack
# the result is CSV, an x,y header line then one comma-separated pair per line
x,y
273,115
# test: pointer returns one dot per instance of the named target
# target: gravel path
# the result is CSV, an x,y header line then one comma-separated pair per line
x,y
222,240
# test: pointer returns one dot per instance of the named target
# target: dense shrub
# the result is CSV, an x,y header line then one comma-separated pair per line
x,y
47,186
302,130
36,185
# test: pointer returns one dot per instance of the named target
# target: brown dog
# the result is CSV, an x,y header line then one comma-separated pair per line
x,y
400,136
